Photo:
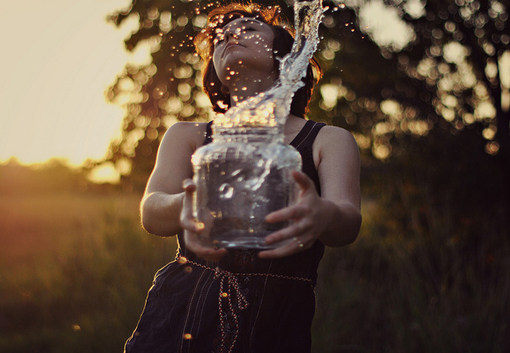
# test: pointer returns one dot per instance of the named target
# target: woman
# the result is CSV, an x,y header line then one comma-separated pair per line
x,y
214,300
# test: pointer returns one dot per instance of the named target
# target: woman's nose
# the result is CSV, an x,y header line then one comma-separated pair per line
x,y
231,33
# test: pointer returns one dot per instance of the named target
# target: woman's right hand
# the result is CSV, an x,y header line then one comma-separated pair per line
x,y
194,230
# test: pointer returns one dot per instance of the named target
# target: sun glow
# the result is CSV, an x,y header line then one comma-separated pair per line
x,y
58,57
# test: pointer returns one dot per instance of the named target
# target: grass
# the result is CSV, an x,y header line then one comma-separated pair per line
x,y
75,268
393,293
74,272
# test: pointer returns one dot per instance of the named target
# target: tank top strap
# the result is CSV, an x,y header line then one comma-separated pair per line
x,y
307,135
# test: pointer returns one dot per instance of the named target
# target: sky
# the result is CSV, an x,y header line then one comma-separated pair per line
x,y
57,59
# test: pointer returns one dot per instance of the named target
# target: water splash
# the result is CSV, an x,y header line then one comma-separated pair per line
x,y
245,173
272,107
226,191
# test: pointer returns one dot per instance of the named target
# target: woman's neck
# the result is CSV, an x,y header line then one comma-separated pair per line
x,y
292,127
245,87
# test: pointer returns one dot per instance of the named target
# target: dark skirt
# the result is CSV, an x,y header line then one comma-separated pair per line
x,y
195,307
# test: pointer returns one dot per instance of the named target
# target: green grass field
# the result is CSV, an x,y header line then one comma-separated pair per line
x,y
75,268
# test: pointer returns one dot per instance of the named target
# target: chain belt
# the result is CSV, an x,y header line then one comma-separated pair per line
x,y
231,291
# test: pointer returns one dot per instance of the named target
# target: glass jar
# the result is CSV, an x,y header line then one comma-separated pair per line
x,y
243,175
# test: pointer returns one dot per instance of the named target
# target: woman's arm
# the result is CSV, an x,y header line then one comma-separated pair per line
x,y
163,198
335,217
166,207
339,174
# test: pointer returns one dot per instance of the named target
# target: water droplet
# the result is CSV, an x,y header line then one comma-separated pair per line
x,y
226,191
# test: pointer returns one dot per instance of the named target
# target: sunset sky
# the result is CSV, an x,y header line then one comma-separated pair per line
x,y
57,58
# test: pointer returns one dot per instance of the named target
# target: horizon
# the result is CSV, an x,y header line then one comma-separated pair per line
x,y
58,63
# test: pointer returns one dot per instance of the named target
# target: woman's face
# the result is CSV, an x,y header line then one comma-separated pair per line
x,y
243,47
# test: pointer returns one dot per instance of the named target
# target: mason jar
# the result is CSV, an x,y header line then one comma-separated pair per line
x,y
244,174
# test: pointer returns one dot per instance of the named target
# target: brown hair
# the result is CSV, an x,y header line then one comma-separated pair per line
x,y
282,45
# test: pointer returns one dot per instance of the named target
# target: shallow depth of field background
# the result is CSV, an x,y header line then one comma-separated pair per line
x,y
424,86
75,267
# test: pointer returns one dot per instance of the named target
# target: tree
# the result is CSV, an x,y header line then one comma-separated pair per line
x,y
446,77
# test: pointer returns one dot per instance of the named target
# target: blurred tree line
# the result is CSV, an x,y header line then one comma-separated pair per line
x,y
51,177
54,176
445,83
431,116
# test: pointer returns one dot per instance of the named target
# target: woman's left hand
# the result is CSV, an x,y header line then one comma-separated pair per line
x,y
308,224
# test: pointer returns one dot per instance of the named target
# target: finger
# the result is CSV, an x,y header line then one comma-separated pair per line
x,y
292,230
288,213
191,224
304,182
188,185
293,247
302,230
187,220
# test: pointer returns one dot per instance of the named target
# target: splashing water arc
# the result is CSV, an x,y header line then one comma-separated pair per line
x,y
272,107
246,172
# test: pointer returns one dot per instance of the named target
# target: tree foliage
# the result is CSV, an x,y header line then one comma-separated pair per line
x,y
445,78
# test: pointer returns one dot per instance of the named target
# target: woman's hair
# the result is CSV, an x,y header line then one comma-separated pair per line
x,y
282,45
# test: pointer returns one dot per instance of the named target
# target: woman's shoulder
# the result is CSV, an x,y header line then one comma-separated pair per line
x,y
185,133
188,127
336,142
330,134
